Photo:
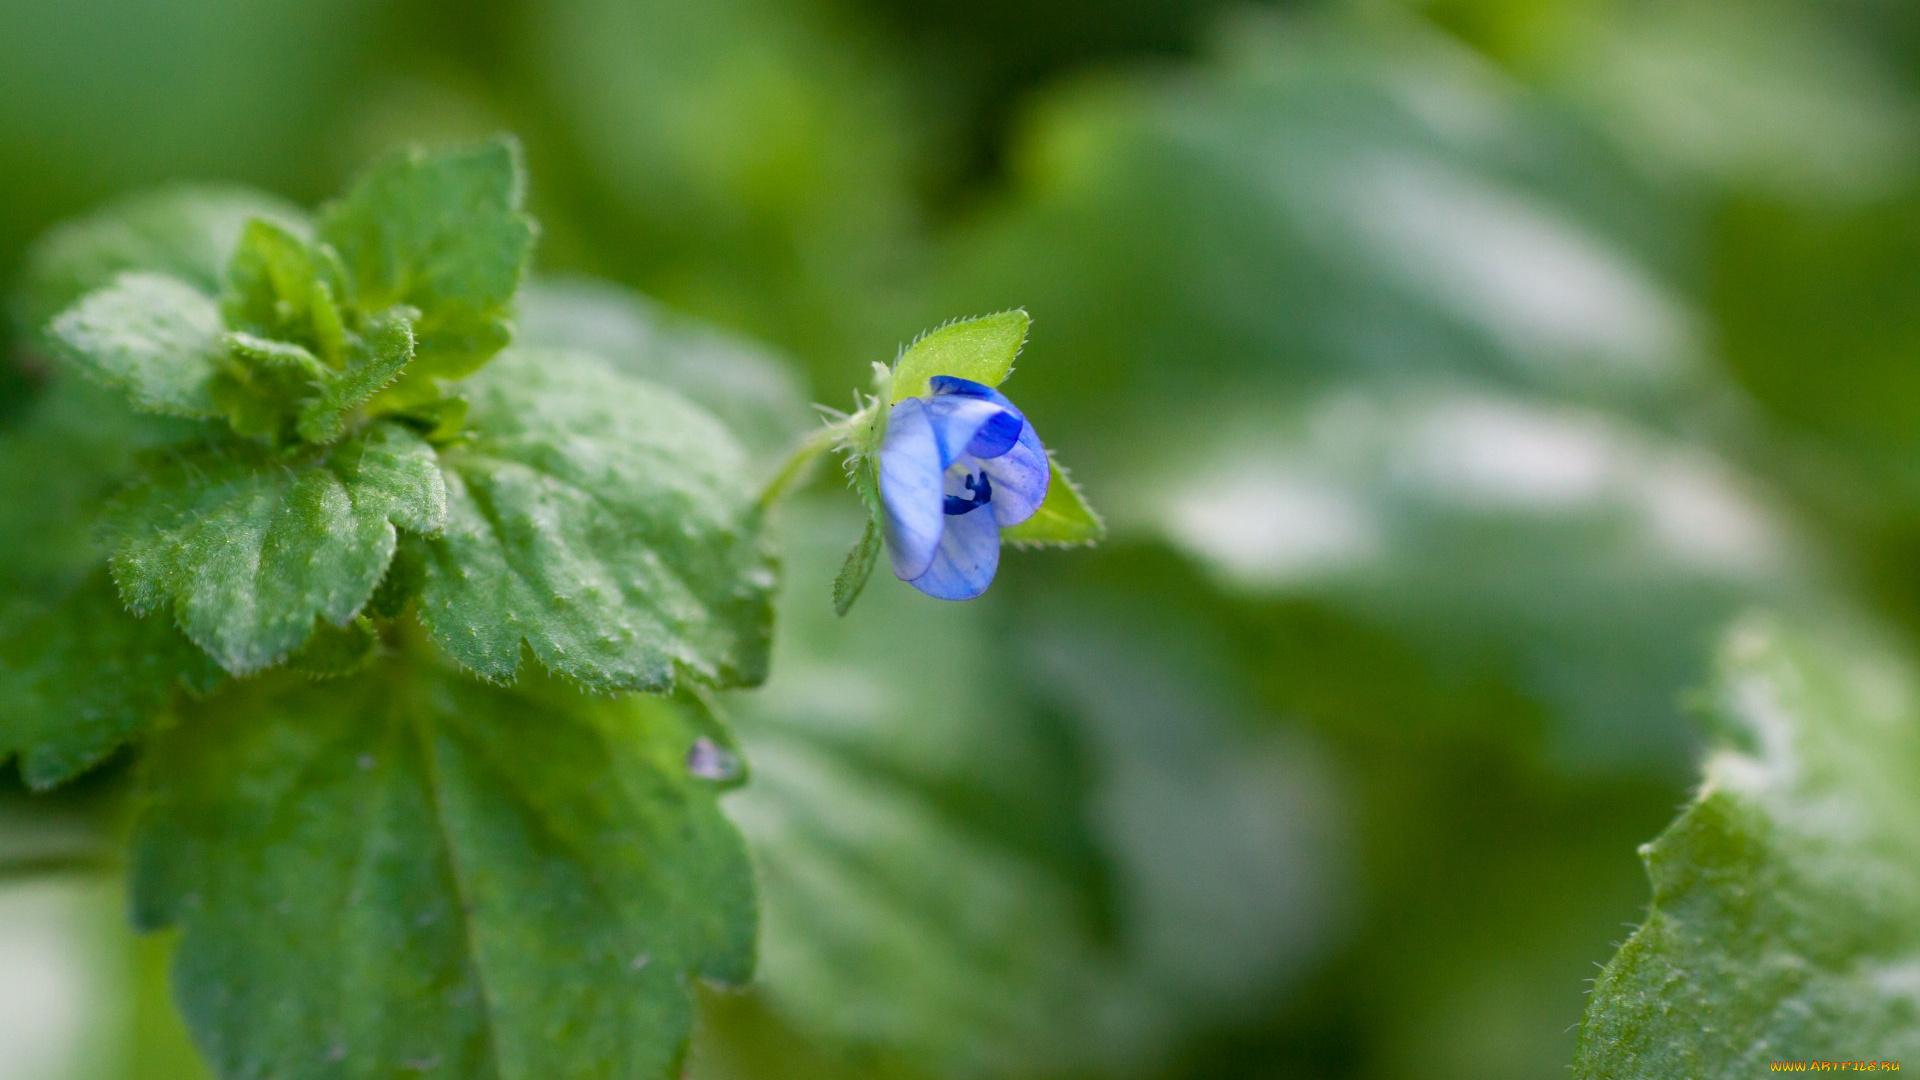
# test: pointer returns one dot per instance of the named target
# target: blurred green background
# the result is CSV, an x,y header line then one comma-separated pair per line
x,y
1450,372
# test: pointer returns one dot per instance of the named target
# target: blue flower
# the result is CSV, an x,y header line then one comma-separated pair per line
x,y
956,467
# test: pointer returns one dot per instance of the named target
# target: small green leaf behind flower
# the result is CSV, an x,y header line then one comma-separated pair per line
x,y
1065,519
979,350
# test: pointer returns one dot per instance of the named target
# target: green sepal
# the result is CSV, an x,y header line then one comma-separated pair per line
x,y
607,523
858,568
412,873
154,337
1065,518
982,350
246,548
442,233
269,354
84,676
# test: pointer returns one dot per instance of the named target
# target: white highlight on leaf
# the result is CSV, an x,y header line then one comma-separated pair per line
x,y
1698,514
1900,979
1267,524
48,983
1545,288
1353,482
1484,450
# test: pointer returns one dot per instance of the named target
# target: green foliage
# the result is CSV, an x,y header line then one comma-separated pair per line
x,y
83,677
153,336
982,350
605,522
745,384
247,549
532,877
442,234
436,897
1398,360
186,233
1783,924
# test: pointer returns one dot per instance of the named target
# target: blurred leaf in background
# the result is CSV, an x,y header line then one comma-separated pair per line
x,y
995,842
1390,354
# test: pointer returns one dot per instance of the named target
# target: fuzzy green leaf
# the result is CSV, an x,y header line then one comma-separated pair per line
x,y
411,873
443,233
82,677
1784,924
73,447
606,522
981,349
155,337
281,286
186,233
1064,518
247,549
378,356
752,389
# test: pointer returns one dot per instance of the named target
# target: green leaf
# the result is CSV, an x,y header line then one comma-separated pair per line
x,y
255,392
84,676
247,548
73,447
153,336
411,873
186,232
443,233
853,576
750,387
606,522
1064,518
1783,924
334,651
981,349
378,356
281,286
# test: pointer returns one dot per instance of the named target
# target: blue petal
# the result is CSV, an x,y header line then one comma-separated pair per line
x,y
964,564
954,384
912,478
1021,474
971,425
